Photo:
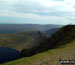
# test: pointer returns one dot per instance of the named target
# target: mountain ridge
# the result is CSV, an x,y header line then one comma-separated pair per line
x,y
66,34
17,28
48,33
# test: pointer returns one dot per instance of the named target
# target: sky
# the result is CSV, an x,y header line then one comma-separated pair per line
x,y
37,11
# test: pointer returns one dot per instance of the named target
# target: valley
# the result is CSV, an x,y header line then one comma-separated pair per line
x,y
61,44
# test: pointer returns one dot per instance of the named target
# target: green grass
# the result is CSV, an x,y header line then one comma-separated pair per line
x,y
49,57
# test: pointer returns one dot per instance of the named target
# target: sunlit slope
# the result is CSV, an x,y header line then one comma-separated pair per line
x,y
50,57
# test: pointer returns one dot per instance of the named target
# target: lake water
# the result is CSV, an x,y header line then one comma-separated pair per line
x,y
8,54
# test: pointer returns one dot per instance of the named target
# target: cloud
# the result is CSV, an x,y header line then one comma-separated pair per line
x,y
35,18
33,6
58,0
50,10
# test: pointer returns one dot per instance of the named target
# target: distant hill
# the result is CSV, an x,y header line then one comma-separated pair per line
x,y
15,28
48,33
21,40
63,36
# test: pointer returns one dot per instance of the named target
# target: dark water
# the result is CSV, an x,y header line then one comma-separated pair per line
x,y
8,54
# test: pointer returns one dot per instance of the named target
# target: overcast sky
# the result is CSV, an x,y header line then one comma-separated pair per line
x,y
37,11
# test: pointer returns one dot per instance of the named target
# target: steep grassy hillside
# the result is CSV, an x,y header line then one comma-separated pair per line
x,y
50,57
63,36
21,40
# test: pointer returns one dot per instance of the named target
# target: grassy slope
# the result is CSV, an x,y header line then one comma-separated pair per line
x,y
51,57
20,40
16,41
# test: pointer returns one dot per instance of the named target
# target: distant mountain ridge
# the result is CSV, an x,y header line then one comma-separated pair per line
x,y
48,33
15,28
